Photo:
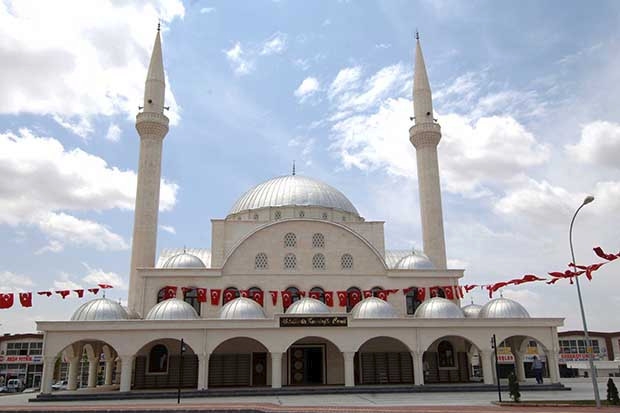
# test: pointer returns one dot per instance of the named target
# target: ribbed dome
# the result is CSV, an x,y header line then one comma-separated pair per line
x,y
100,309
503,308
172,309
472,310
293,190
184,260
308,306
415,261
373,307
242,309
438,307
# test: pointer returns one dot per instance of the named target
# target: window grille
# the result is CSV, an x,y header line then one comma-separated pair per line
x,y
318,241
290,262
346,261
318,262
261,262
277,215
290,240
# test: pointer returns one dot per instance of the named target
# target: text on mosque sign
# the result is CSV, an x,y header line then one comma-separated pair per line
x,y
313,321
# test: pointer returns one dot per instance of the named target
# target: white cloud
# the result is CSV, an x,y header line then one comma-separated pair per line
x,y
386,82
94,64
66,283
10,281
96,276
236,57
114,133
599,144
346,79
275,44
207,10
168,228
307,88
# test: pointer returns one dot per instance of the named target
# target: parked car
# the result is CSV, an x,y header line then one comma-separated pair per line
x,y
15,385
60,385
4,389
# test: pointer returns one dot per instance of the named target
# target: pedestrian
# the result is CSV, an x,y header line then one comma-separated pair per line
x,y
537,368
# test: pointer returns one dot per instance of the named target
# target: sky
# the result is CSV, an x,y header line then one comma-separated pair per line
x,y
527,94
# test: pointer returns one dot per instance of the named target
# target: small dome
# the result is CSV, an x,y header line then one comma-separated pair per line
x,y
242,309
308,306
132,315
373,307
415,261
438,307
472,310
184,260
503,308
172,309
100,309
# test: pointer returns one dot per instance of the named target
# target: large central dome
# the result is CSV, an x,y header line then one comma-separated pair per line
x,y
293,190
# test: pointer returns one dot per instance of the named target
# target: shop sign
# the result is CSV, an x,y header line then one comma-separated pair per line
x,y
22,359
313,321
505,358
578,357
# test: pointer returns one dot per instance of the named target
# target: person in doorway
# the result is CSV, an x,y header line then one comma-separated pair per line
x,y
537,368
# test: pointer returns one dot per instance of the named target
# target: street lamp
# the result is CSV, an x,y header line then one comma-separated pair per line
x,y
597,397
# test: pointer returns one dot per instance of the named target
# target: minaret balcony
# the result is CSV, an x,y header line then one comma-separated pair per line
x,y
423,134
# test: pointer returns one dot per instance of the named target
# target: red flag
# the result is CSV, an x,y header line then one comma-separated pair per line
x,y
48,293
185,290
274,297
367,293
461,291
201,294
553,281
434,292
80,293
391,291
329,298
609,257
244,293
170,291
470,287
287,299
382,295
342,298
315,294
229,294
6,300
301,293
407,290
104,286
421,295
215,296
448,292
94,290
25,299
354,297
258,296
63,293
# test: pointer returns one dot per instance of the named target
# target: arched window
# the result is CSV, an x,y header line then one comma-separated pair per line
x,y
438,292
445,353
318,241
318,262
346,262
412,300
290,240
317,293
290,262
295,296
260,261
158,359
252,291
230,294
161,294
190,296
354,296
277,215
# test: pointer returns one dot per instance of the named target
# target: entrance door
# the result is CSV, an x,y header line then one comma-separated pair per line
x,y
306,365
259,369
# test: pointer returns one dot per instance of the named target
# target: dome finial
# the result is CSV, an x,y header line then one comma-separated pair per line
x,y
293,167
417,34
159,25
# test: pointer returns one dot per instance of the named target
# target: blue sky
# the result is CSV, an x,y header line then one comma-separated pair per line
x,y
527,94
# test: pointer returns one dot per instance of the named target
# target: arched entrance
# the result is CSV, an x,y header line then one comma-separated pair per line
x,y
516,355
163,364
86,363
240,362
383,360
452,359
314,361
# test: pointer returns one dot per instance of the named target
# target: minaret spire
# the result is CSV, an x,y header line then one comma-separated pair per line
x,y
155,86
425,136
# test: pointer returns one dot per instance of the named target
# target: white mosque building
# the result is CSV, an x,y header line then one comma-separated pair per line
x,y
297,289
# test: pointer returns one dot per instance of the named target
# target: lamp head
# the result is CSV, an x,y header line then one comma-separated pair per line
x,y
588,199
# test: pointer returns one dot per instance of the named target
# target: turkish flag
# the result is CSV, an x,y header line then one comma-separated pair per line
x,y
354,297
287,299
80,293
407,290
104,286
274,297
449,292
609,257
258,296
382,295
460,291
201,294
48,293
6,300
170,291
25,299
342,298
393,291
244,293
421,294
215,296
329,298
434,292
315,294
94,290
229,295
63,293
367,293
470,287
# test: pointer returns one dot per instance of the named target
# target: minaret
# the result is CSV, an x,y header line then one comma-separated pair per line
x,y
425,135
152,126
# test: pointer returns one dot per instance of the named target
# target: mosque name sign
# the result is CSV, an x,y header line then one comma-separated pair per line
x,y
313,322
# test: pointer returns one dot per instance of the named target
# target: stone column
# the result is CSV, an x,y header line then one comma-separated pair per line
x,y
126,371
203,371
349,368
276,370
554,366
488,371
74,368
48,374
418,367
109,369
93,365
519,367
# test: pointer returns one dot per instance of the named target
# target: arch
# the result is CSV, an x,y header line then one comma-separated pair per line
x,y
163,362
256,294
452,359
313,360
383,360
239,362
86,366
516,354
375,291
190,296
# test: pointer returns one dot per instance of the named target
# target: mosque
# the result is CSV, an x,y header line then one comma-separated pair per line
x,y
297,289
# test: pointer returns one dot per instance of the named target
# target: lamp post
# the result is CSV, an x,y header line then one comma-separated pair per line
x,y
182,350
597,397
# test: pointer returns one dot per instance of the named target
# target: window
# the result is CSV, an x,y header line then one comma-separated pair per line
x,y
375,291
318,241
252,291
36,349
158,359
261,262
317,293
354,295
230,294
290,240
161,294
302,214
412,300
438,292
445,354
324,215
190,296
277,215
318,262
295,296
290,262
346,262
